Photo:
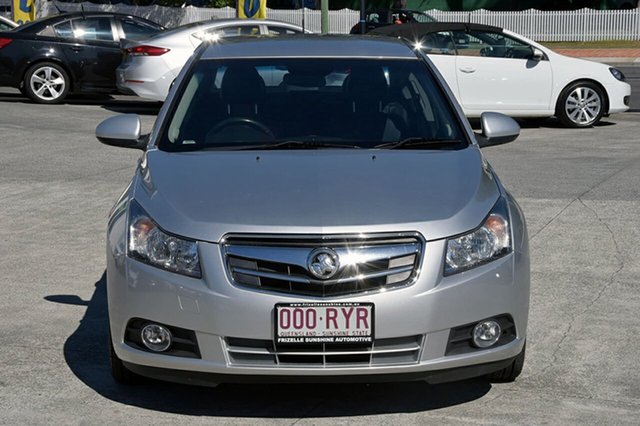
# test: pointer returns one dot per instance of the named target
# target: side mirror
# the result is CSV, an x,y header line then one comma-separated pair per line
x,y
122,131
497,129
538,55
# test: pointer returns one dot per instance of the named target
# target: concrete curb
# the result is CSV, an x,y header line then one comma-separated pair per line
x,y
614,60
612,55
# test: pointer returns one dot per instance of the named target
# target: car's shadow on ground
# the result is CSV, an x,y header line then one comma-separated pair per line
x,y
120,104
85,352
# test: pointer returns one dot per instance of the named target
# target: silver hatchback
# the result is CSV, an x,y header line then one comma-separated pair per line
x,y
314,209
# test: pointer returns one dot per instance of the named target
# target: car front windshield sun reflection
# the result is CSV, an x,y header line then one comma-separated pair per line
x,y
287,103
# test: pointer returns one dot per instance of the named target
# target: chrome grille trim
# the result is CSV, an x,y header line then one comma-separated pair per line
x,y
278,263
262,353
284,277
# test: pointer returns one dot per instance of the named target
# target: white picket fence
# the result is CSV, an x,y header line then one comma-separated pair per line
x,y
576,25
569,25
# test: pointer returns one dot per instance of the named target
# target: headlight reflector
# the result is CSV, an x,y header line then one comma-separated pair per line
x,y
490,241
150,244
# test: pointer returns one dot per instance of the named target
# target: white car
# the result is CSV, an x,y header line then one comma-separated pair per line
x,y
150,66
492,69
7,24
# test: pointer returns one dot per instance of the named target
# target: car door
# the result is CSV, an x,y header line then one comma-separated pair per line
x,y
95,53
496,72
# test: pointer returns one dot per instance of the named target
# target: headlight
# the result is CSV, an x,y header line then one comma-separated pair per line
x,y
490,241
617,74
150,244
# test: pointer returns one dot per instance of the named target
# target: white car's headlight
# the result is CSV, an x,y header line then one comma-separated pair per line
x,y
150,244
489,242
617,74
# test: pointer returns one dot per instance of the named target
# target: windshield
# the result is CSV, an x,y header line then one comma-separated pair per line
x,y
286,103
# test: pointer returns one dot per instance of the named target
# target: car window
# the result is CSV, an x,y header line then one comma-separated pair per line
x,y
5,27
231,103
490,44
93,29
63,29
438,43
273,30
236,30
134,30
373,17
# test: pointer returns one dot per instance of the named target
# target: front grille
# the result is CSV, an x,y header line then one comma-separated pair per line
x,y
280,264
263,353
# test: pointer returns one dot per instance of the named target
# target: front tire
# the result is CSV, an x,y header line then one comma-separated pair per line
x,y
581,104
510,373
46,83
119,372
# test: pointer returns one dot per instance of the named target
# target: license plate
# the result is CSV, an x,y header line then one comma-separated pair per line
x,y
315,323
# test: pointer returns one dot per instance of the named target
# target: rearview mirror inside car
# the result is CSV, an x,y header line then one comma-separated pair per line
x,y
122,131
497,129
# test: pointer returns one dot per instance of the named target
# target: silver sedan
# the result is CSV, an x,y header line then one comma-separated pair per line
x,y
314,209
151,66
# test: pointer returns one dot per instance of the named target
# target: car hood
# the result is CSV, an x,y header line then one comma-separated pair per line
x,y
205,195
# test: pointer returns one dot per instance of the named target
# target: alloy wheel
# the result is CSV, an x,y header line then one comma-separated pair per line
x,y
47,83
583,105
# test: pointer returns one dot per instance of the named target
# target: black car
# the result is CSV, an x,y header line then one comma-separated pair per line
x,y
382,17
71,52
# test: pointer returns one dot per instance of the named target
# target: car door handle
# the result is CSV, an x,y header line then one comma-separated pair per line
x,y
76,48
467,70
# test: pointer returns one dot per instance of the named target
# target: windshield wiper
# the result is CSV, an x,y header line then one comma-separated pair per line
x,y
419,142
292,144
295,144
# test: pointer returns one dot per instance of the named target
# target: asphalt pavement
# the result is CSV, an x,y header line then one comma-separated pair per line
x,y
632,73
579,189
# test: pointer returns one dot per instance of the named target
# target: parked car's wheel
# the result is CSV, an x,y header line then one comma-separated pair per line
x,y
581,104
119,372
46,83
510,373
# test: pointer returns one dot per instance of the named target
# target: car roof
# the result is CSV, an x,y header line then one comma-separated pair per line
x,y
308,46
212,24
414,28
215,22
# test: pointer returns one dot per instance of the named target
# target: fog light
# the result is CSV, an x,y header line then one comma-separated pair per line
x,y
486,333
156,337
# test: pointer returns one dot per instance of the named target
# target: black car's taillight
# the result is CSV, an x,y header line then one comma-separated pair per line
x,y
146,51
5,42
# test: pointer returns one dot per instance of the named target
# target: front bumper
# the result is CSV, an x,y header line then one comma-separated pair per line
x,y
218,311
617,93
213,379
